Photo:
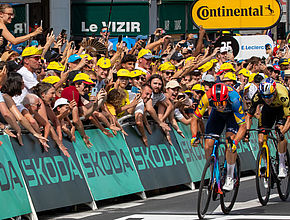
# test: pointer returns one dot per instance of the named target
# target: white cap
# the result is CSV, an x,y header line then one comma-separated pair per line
x,y
224,49
208,78
60,101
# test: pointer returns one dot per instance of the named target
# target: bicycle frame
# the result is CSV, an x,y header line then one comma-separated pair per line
x,y
265,145
216,172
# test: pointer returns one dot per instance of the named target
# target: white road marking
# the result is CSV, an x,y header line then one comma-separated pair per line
x,y
247,204
171,195
78,215
191,217
122,205
246,178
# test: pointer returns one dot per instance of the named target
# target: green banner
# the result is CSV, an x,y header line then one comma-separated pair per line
x,y
108,166
126,19
193,156
13,196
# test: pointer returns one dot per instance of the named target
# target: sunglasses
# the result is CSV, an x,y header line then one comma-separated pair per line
x,y
104,31
169,73
267,96
208,84
36,58
217,104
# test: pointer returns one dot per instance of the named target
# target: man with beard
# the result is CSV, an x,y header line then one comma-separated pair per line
x,y
159,100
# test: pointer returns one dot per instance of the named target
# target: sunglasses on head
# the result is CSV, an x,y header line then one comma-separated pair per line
x,y
267,96
217,104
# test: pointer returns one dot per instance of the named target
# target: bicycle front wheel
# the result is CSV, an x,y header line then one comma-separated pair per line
x,y
228,198
263,177
283,183
205,188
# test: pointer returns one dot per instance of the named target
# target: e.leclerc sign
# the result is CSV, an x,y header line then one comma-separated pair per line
x,y
236,14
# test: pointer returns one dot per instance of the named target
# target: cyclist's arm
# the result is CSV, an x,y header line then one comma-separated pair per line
x,y
240,119
199,112
286,126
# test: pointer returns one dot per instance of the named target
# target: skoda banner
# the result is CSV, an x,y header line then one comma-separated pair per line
x,y
160,165
13,196
238,14
107,165
53,180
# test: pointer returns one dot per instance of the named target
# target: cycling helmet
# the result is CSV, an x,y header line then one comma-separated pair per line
x,y
219,92
267,87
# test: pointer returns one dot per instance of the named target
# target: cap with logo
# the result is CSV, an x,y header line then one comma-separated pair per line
x,y
224,49
245,72
59,102
104,63
230,76
31,51
73,58
166,66
86,55
198,87
55,66
172,84
136,73
124,73
84,78
283,61
145,53
51,79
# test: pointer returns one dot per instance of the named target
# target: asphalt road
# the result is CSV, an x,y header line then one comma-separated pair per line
x,y
179,204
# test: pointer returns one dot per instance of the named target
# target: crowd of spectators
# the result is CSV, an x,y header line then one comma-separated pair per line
x,y
55,87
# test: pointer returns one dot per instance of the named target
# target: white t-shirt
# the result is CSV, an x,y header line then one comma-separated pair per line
x,y
140,106
160,97
177,114
30,80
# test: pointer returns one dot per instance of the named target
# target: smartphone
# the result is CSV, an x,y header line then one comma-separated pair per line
x,y
41,23
1,30
181,96
73,45
152,38
62,33
94,91
120,38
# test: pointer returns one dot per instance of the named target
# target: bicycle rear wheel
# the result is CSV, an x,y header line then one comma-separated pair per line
x,y
283,183
228,198
263,183
205,188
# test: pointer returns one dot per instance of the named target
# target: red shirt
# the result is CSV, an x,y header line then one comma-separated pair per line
x,y
71,93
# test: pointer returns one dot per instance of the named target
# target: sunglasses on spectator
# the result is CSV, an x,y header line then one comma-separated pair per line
x,y
123,78
217,104
37,105
169,73
199,92
267,96
209,84
104,31
36,58
139,77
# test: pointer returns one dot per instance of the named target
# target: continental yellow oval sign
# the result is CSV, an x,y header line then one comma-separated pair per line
x,y
236,14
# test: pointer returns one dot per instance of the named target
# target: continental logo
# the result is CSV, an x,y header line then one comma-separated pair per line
x,y
238,14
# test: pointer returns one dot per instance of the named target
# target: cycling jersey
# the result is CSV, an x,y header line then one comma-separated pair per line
x,y
281,100
234,105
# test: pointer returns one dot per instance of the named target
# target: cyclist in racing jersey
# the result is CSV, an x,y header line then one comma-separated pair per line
x,y
275,100
227,109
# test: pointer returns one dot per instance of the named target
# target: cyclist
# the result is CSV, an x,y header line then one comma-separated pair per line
x,y
275,100
227,109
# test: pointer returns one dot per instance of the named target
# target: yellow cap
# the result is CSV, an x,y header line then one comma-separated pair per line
x,y
123,72
55,66
166,66
188,59
104,63
205,67
144,53
87,55
31,51
187,91
247,86
227,66
136,73
230,76
251,78
83,77
198,87
245,72
51,79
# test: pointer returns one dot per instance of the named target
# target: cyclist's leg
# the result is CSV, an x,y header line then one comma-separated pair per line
x,y
215,125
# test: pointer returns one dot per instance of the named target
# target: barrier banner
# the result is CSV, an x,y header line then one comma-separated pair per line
x,y
107,165
193,156
159,165
53,180
13,196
